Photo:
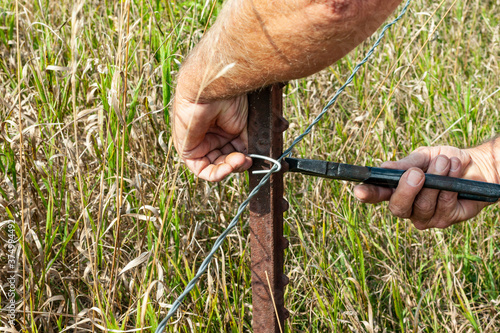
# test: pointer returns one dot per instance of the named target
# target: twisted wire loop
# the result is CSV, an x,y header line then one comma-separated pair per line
x,y
241,208
276,167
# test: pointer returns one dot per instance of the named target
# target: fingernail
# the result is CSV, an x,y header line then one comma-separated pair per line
x,y
441,163
414,178
358,193
455,164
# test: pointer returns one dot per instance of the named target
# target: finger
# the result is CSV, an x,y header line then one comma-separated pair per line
x,y
372,194
447,203
224,165
235,145
228,149
216,173
197,165
202,168
450,210
240,144
209,143
424,206
467,209
401,201
419,159
240,162
221,168
214,155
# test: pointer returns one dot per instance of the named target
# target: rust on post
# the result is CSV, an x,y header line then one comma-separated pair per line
x,y
265,137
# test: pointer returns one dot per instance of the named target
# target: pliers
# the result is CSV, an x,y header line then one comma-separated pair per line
x,y
466,189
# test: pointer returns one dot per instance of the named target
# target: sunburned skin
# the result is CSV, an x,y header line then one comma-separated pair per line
x,y
428,208
257,42
276,41
252,44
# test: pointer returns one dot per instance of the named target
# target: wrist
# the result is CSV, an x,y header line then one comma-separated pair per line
x,y
196,70
217,68
188,87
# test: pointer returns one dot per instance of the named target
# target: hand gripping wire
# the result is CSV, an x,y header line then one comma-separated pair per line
x,y
204,265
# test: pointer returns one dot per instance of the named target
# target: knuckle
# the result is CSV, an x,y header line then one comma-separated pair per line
x,y
399,211
447,199
424,206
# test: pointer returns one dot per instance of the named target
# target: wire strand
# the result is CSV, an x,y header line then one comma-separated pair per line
x,y
241,208
272,160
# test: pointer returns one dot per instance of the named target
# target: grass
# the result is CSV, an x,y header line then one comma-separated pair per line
x,y
114,226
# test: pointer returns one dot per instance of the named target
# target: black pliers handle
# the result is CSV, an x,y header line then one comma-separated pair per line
x,y
466,189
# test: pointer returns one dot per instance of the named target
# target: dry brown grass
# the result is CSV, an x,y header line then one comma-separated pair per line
x,y
112,226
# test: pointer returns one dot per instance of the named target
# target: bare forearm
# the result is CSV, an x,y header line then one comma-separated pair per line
x,y
259,42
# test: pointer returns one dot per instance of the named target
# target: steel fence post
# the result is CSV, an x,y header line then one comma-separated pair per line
x,y
265,137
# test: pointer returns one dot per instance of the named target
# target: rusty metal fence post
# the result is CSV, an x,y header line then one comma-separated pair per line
x,y
265,137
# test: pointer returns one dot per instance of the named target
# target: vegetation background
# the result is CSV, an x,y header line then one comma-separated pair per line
x,y
112,225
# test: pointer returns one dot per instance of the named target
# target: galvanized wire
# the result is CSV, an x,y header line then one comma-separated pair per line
x,y
241,208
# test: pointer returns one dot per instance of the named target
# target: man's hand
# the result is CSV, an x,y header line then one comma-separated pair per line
x,y
428,208
253,44
212,137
